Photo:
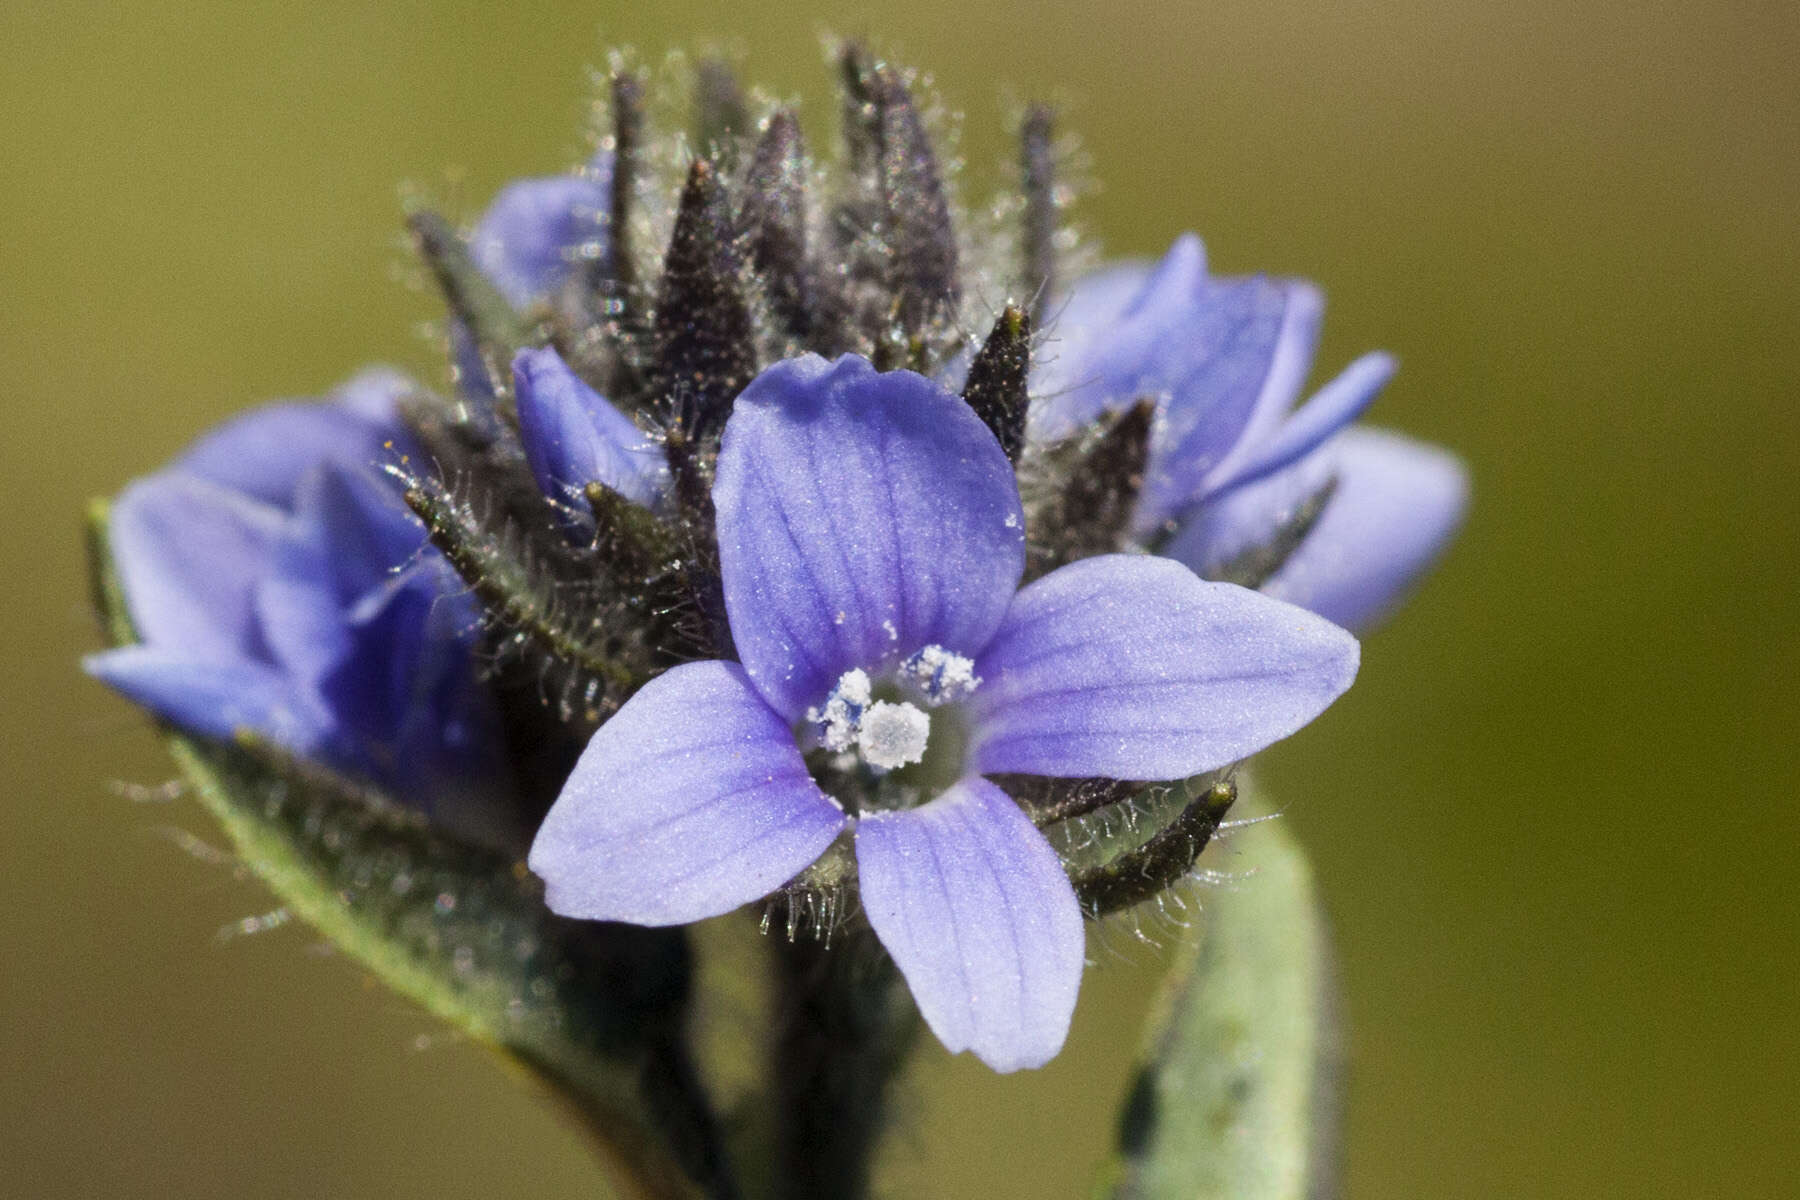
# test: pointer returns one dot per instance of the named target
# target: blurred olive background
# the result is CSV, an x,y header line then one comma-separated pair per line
x,y
1554,822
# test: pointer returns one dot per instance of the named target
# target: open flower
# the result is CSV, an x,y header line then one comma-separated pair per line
x,y
1233,461
279,586
871,545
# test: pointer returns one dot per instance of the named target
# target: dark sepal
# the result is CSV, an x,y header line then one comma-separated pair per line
x,y
601,331
908,221
771,223
1096,479
1037,177
705,350
862,147
498,331
721,118
996,387
632,540
1047,801
612,277
1162,861
535,604
1256,565
672,570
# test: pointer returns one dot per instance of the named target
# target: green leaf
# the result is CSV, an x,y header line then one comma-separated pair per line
x,y
594,1010
1234,1098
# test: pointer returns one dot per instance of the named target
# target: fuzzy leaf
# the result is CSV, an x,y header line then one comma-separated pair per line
x,y
1234,1098
594,1010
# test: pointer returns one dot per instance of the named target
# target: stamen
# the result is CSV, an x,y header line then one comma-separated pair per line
x,y
840,716
942,675
893,733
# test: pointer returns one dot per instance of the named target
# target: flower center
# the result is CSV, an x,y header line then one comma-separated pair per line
x,y
895,730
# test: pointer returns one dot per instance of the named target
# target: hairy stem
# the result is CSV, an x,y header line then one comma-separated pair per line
x,y
844,1023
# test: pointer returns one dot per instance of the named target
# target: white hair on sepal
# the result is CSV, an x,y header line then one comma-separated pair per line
x,y
249,926
808,912
201,850
1158,922
147,793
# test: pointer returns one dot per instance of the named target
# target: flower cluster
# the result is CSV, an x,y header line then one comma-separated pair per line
x,y
279,587
737,567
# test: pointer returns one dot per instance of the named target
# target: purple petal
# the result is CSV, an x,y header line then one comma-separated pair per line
x,y
1251,345
373,394
1132,667
972,903
189,553
266,452
212,699
526,243
1109,353
407,695
530,236
1330,410
302,615
861,516
690,801
1075,331
1098,300
1243,519
573,437
349,534
1397,504
1225,358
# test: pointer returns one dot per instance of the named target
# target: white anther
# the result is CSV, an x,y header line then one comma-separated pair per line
x,y
838,718
892,735
855,687
942,675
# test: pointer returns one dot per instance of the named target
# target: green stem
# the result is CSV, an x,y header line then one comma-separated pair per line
x,y
844,1023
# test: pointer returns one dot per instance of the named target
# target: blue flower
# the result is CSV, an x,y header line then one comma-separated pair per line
x,y
1232,460
533,234
573,437
278,585
871,546
536,230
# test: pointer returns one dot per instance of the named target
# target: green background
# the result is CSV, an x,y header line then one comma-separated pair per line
x,y
1554,822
